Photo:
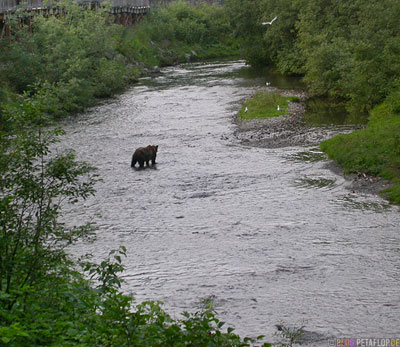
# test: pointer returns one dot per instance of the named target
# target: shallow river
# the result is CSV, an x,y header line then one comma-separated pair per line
x,y
270,235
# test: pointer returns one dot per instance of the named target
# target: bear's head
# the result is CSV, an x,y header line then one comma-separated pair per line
x,y
153,148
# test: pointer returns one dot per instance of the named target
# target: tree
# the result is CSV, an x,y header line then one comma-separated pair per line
x,y
33,186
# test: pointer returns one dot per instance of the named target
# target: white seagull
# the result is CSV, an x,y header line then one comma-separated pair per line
x,y
269,23
267,84
246,110
279,109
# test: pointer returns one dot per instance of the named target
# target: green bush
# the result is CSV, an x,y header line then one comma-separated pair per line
x,y
81,56
46,299
374,150
172,32
343,48
74,55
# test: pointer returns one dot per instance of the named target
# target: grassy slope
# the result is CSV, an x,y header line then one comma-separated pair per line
x,y
374,150
109,59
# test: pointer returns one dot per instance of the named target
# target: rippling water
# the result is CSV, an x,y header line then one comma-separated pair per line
x,y
269,234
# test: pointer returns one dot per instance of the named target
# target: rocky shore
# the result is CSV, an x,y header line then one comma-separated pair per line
x,y
290,129
285,131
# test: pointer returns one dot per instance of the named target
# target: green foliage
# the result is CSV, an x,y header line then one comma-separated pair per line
x,y
345,49
170,34
393,193
46,299
33,187
79,55
289,335
73,56
264,105
245,21
374,150
202,24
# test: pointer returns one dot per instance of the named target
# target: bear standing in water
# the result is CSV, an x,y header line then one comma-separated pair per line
x,y
144,154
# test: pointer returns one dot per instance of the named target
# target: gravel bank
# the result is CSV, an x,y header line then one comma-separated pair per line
x,y
290,130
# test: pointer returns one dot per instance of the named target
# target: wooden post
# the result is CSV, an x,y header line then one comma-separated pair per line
x,y
125,12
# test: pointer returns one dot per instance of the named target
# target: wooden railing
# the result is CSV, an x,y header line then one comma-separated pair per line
x,y
12,5
155,3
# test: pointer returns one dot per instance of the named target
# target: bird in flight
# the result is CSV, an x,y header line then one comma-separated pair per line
x,y
265,23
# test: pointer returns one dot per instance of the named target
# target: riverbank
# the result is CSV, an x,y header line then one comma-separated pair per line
x,y
341,64
283,131
258,220
290,129
91,59
374,152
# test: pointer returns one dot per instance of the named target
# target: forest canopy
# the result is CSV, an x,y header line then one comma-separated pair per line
x,y
344,49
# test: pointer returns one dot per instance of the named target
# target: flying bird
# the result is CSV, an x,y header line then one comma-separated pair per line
x,y
269,23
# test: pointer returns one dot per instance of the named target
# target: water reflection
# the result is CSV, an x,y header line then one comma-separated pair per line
x,y
323,112
311,155
318,182
274,77
353,201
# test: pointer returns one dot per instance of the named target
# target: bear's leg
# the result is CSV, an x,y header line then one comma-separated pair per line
x,y
133,163
141,163
153,162
148,163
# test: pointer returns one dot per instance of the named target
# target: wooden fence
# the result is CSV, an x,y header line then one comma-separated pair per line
x,y
126,12
10,6
154,3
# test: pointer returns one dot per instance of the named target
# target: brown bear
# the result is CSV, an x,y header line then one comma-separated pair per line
x,y
144,154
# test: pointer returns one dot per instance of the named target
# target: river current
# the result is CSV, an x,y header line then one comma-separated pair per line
x,y
270,235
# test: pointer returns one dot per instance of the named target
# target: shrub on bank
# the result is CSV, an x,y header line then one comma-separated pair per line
x,y
47,299
72,55
180,32
374,150
344,49
81,56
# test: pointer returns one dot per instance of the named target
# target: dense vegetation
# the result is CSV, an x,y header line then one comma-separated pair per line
x,y
46,299
346,50
63,66
375,150
76,58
